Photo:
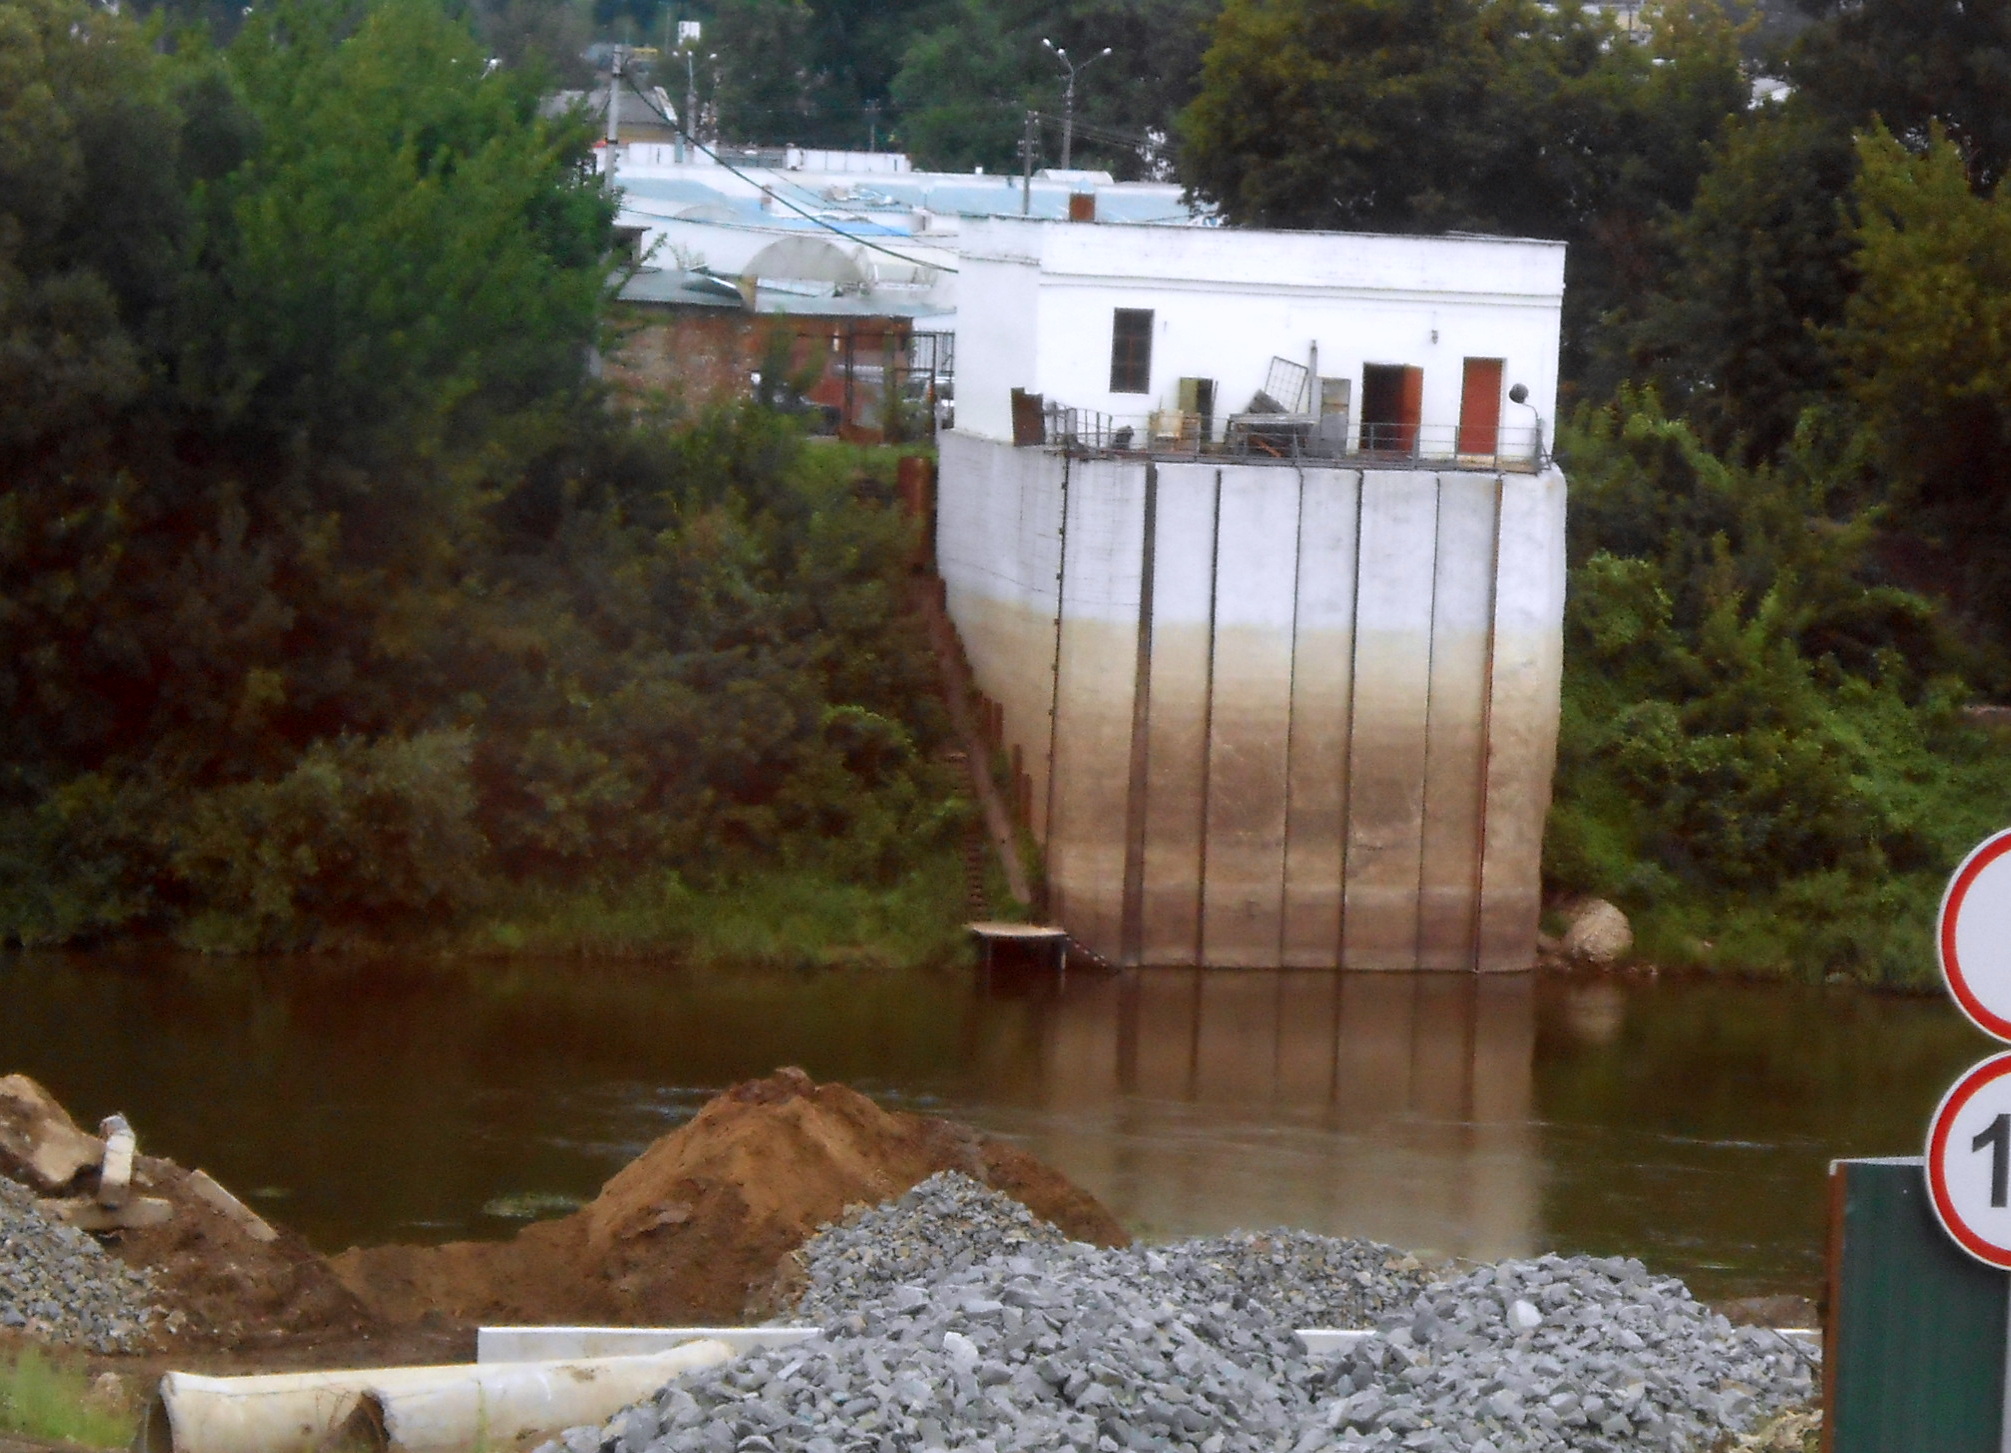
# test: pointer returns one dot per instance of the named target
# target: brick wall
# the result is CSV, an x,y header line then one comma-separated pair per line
x,y
697,357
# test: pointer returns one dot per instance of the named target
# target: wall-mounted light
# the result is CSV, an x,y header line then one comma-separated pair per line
x,y
1519,394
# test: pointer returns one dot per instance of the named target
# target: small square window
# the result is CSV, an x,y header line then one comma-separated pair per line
x,y
1131,351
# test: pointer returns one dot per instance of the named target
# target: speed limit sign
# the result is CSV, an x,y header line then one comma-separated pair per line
x,y
1968,1158
1973,937
1969,1161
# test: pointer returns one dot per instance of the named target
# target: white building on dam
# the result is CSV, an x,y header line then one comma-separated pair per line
x,y
1254,538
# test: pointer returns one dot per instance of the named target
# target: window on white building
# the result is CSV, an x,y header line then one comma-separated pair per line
x,y
1131,351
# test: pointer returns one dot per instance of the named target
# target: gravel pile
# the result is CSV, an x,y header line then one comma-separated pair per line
x,y
1301,1279
1560,1353
949,1223
953,1320
946,1224
58,1284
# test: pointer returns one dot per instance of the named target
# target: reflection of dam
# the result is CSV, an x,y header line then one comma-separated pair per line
x,y
1398,1107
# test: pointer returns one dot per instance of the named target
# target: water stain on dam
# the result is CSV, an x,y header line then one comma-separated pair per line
x,y
1272,713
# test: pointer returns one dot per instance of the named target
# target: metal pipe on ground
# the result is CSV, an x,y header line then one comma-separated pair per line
x,y
500,1405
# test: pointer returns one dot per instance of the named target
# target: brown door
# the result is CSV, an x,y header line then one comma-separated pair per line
x,y
1392,405
1480,407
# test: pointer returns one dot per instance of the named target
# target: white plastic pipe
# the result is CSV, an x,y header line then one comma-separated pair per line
x,y
540,1344
1331,1341
500,1405
115,1179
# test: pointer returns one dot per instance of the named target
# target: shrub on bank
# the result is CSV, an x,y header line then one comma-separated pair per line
x,y
683,656
1762,756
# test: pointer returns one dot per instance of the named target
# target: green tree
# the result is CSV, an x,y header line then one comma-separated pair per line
x,y
969,77
412,263
767,71
1429,115
1734,334
1926,347
1912,64
546,37
92,218
332,595
964,88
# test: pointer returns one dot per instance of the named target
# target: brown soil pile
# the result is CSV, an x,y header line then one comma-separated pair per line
x,y
219,1282
698,1225
223,1285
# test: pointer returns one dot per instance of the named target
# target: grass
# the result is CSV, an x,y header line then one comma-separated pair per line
x,y
782,918
41,1397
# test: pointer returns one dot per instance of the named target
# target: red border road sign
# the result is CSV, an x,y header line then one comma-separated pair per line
x,y
1960,1189
1973,935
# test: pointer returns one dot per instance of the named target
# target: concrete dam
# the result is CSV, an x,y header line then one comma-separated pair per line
x,y
1270,713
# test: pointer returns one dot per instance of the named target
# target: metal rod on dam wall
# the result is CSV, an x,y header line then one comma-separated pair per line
x,y
1208,726
1132,931
1054,685
1487,726
1347,751
1292,676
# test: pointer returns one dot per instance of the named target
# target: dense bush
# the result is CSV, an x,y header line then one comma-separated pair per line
x,y
334,601
1762,755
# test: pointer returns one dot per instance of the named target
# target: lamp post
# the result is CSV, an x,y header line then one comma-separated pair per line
x,y
1060,53
1519,394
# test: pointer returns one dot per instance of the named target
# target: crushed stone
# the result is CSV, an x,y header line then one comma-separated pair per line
x,y
59,1285
953,1319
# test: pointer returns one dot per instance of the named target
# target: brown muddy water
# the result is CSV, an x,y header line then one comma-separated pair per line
x,y
1686,1123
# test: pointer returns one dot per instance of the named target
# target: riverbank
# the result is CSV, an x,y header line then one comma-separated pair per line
x,y
941,1261
775,919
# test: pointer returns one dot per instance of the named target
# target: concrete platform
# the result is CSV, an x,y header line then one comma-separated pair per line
x,y
1038,938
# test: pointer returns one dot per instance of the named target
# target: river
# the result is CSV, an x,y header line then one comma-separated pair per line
x,y
362,1100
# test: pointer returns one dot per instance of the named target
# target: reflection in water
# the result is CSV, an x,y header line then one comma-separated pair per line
x,y
370,1100
1395,1106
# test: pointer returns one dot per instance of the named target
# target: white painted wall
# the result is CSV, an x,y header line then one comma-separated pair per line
x,y
1227,299
1006,347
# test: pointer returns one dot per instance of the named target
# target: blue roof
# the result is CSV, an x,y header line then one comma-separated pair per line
x,y
895,195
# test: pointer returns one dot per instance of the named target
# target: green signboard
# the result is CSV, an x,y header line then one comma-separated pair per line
x,y
1914,1343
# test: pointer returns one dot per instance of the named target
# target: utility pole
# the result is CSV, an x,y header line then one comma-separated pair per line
x,y
688,34
1060,53
872,126
615,63
1026,144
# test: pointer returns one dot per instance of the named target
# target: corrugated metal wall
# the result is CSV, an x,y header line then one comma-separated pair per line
x,y
1274,715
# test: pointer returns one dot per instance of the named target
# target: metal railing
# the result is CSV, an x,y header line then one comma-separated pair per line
x,y
1292,438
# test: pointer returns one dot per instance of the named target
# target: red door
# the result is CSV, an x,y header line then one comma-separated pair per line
x,y
1480,407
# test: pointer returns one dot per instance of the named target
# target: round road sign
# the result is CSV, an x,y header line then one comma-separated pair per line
x,y
1973,935
1969,1161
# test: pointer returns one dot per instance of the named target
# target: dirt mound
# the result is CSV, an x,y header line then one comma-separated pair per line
x,y
223,1276
230,1279
697,1226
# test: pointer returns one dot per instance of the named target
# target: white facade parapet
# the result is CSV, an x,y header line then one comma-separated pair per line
x,y
1038,304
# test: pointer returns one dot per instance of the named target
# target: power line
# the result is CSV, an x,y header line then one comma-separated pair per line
x,y
808,216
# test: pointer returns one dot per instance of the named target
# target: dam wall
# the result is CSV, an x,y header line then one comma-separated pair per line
x,y
1271,714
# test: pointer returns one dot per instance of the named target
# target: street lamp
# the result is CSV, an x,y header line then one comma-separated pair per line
x,y
1519,394
687,134
1060,53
